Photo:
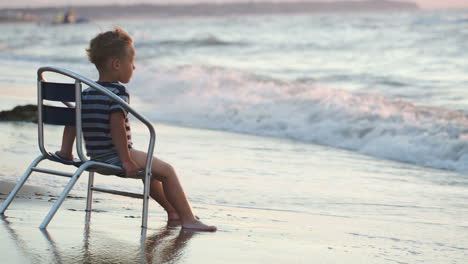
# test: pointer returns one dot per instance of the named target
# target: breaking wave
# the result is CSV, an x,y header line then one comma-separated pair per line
x,y
230,100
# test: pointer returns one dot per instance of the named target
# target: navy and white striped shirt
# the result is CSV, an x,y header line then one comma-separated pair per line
x,y
96,111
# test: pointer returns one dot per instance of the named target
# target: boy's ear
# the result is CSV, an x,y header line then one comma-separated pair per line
x,y
115,63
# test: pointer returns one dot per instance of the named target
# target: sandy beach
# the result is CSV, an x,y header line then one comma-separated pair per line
x,y
232,181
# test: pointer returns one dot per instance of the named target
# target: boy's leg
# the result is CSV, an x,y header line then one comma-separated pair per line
x,y
157,193
173,190
163,172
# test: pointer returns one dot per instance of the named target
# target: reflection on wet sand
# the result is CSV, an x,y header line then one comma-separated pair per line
x,y
52,246
21,244
164,245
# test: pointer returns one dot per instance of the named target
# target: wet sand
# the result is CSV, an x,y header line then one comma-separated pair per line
x,y
273,201
114,236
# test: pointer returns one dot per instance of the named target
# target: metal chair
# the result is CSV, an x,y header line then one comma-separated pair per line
x,y
71,116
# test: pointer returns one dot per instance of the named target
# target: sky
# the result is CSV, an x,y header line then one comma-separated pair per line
x,y
31,3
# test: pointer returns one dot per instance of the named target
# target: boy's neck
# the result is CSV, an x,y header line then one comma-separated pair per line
x,y
106,77
107,80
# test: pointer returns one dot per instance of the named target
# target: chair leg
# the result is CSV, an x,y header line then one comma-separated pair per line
x,y
60,200
20,184
89,197
144,220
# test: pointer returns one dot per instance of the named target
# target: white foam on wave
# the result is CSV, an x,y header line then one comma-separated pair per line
x,y
217,98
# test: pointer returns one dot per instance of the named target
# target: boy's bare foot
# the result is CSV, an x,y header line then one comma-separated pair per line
x,y
64,156
173,221
174,217
197,225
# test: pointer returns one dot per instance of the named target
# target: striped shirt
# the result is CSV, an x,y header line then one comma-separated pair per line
x,y
96,112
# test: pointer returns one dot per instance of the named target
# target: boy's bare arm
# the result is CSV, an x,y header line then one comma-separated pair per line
x,y
119,138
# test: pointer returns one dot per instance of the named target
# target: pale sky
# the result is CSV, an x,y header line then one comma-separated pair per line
x,y
31,3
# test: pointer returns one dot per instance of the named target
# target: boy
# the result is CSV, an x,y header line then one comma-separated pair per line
x,y
107,133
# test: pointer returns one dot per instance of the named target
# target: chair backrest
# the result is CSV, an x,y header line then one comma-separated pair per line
x,y
66,93
58,92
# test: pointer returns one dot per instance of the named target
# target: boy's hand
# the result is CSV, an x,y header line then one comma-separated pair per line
x,y
131,169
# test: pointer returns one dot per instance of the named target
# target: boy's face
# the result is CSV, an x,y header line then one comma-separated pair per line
x,y
126,66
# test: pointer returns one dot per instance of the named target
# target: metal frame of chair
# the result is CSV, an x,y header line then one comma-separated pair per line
x,y
66,93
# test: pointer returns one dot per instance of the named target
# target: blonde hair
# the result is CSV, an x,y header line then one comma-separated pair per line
x,y
108,45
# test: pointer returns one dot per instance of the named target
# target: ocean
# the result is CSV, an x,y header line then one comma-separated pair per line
x,y
388,85
358,115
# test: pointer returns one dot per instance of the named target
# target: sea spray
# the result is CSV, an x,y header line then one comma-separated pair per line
x,y
231,100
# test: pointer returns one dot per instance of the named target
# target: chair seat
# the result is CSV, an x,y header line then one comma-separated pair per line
x,y
77,163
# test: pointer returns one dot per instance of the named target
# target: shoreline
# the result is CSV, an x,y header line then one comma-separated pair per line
x,y
5,102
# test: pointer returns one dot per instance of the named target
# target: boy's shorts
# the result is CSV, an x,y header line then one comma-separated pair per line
x,y
112,160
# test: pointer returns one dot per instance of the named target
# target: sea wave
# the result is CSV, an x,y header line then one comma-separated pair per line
x,y
198,41
224,99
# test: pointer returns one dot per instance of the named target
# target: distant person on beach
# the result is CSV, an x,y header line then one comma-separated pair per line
x,y
107,132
